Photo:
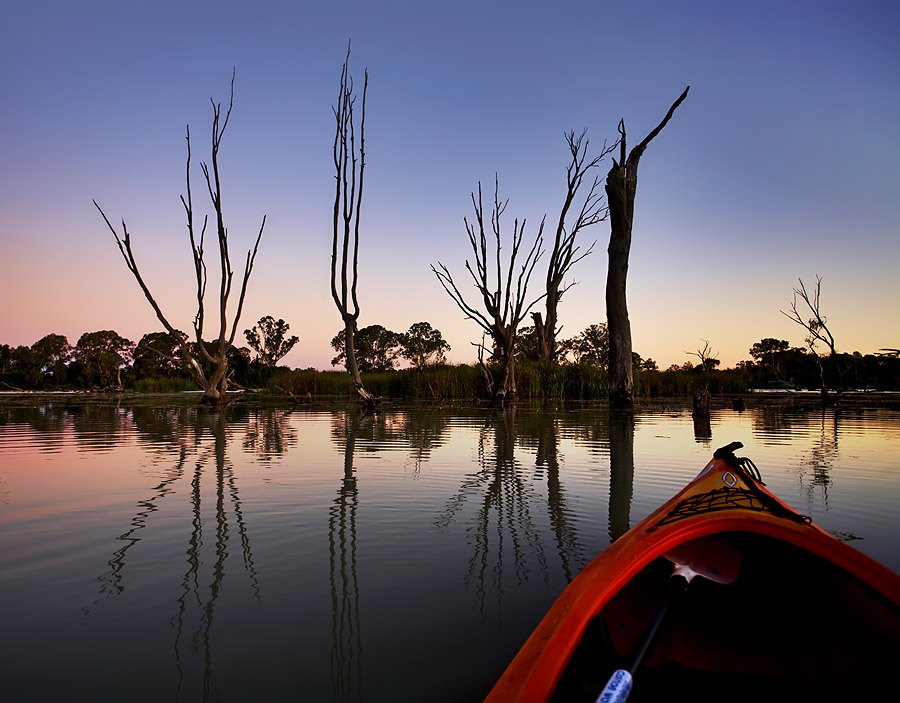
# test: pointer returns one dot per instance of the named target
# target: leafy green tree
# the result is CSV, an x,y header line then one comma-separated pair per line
x,y
160,354
528,344
103,354
647,364
19,368
590,346
269,340
52,354
423,345
377,348
5,359
768,350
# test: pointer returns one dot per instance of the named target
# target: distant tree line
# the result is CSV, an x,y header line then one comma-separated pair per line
x,y
413,363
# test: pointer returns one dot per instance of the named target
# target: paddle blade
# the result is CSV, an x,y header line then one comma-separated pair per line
x,y
709,557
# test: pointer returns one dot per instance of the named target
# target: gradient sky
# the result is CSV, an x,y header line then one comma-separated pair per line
x,y
783,162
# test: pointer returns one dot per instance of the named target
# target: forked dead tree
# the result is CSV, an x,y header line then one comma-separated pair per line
x,y
708,362
816,328
214,384
349,166
565,254
503,294
621,186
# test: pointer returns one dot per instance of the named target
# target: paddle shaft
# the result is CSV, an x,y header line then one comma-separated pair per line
x,y
676,585
708,557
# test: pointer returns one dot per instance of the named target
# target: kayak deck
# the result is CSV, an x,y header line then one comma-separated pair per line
x,y
791,626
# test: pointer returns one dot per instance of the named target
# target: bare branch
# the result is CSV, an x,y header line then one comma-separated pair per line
x,y
124,244
501,285
215,386
816,325
565,253
639,149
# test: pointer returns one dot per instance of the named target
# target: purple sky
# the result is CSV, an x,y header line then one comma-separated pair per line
x,y
783,162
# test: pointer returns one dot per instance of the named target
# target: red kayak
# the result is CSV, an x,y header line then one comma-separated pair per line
x,y
724,593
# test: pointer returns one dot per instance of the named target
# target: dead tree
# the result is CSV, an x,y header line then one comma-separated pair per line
x,y
503,294
621,186
565,253
708,362
816,328
349,166
215,383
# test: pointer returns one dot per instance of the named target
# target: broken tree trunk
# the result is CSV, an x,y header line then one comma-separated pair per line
x,y
621,186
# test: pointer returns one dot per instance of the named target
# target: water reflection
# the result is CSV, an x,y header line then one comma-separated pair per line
x,y
569,548
702,429
621,472
189,432
346,636
269,434
821,456
507,546
141,512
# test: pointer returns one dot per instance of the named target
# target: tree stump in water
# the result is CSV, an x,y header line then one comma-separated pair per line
x,y
701,404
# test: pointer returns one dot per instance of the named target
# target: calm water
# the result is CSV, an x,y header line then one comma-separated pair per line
x,y
169,553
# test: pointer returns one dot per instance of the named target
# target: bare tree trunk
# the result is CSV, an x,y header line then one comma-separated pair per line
x,y
215,386
349,165
565,253
621,186
485,371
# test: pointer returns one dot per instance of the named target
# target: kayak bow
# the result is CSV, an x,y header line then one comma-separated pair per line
x,y
808,617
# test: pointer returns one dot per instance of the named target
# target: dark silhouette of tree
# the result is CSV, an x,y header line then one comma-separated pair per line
x,y
159,354
269,340
349,166
768,350
423,345
816,327
214,384
621,187
376,348
590,346
52,354
19,368
104,354
6,361
503,293
708,362
564,253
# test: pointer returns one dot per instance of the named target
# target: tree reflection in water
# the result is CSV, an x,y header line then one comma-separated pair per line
x,y
503,510
269,433
345,655
702,429
621,472
821,456
545,428
184,431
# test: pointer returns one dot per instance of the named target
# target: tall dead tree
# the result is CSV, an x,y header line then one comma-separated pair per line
x,y
565,253
349,166
503,294
214,383
621,186
816,328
